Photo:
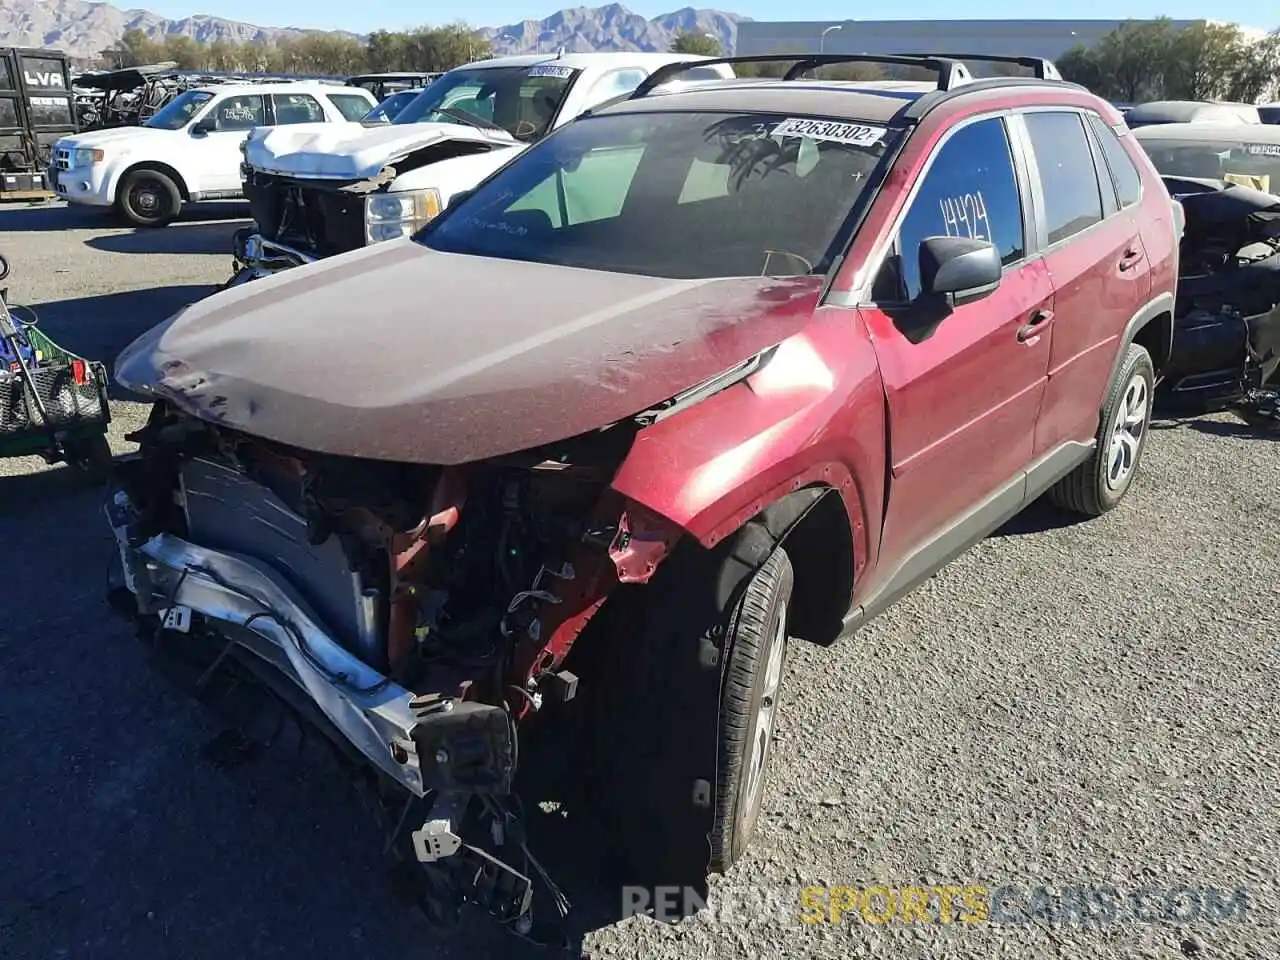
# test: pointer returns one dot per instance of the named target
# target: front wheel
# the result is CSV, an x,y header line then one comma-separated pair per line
x,y
684,725
1101,482
148,198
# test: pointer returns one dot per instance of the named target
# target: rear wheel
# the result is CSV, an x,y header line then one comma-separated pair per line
x,y
1101,482
149,198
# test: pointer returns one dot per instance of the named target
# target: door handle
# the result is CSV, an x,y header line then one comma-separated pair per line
x,y
1035,326
1130,258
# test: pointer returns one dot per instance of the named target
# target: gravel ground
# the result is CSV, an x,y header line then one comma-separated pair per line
x,y
1068,704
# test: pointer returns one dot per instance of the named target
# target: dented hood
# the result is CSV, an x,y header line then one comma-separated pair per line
x,y
351,151
399,352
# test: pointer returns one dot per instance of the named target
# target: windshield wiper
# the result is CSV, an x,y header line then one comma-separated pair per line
x,y
470,119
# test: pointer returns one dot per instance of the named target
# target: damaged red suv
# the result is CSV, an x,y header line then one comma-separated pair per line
x,y
555,481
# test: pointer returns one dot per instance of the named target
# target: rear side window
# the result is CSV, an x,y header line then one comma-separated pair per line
x,y
351,106
1123,172
296,108
1072,198
970,190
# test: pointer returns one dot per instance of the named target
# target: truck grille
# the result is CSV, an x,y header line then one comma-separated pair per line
x,y
63,159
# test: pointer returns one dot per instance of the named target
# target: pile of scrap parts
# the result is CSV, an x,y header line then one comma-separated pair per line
x,y
1226,344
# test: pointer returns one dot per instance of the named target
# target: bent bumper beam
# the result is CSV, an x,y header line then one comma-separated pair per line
x,y
255,608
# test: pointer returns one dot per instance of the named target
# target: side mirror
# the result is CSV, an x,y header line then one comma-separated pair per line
x,y
205,127
958,270
458,197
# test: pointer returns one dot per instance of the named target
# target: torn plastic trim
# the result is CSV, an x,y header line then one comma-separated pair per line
x,y
710,387
371,711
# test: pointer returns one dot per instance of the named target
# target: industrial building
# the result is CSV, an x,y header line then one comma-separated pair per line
x,y
1031,38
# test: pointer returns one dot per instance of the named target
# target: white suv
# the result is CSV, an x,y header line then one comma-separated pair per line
x,y
190,150
360,185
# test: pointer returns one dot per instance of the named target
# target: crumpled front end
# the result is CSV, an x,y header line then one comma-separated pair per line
x,y
1226,345
419,616
319,193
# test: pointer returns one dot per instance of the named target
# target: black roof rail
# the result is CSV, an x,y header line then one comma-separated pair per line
x,y
950,73
1040,68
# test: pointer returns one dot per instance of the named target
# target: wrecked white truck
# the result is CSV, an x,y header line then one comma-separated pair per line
x,y
320,190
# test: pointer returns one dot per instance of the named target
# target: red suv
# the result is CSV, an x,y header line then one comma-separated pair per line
x,y
714,366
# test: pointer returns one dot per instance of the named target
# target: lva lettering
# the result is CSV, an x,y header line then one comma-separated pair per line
x,y
44,81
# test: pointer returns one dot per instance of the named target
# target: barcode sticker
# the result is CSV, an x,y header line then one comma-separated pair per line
x,y
857,134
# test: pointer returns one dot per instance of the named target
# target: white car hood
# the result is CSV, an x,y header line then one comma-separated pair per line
x,y
351,151
116,135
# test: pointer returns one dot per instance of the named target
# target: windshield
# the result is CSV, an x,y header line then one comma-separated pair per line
x,y
521,100
180,110
680,195
1242,160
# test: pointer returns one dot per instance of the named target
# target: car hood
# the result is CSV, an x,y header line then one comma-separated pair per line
x,y
352,151
399,352
115,135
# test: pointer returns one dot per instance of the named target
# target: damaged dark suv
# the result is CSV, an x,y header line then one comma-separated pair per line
x,y
698,373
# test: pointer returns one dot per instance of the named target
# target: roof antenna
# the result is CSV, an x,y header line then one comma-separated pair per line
x,y
560,54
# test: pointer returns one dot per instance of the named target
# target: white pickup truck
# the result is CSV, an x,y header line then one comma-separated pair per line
x,y
190,150
317,191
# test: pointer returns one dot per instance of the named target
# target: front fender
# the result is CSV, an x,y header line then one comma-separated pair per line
x,y
813,415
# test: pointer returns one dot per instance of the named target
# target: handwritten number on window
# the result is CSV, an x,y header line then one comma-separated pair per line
x,y
965,215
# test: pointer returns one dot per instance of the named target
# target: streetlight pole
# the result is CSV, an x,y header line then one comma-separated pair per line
x,y
822,38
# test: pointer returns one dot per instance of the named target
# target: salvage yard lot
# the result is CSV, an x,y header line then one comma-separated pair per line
x,y
1068,704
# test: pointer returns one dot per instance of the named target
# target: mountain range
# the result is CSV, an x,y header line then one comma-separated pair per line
x,y
84,29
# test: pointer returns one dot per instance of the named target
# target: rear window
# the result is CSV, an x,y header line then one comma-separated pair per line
x,y
1123,172
1248,160
687,195
352,106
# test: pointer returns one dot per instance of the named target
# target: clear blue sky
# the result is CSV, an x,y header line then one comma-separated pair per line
x,y
365,15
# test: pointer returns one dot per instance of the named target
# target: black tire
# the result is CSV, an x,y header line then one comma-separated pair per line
x,y
148,198
751,638
676,713
1102,481
92,457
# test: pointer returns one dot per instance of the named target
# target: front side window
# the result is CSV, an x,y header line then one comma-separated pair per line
x,y
1068,177
1246,159
242,112
970,190
354,107
179,111
293,108
521,100
1127,180
681,195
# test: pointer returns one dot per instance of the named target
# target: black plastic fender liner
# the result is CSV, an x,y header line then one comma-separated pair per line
x,y
756,540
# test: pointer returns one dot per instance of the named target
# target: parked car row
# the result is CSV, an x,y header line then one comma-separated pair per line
x,y
537,422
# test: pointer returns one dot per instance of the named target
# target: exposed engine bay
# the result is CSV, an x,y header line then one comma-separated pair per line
x,y
1226,344
425,611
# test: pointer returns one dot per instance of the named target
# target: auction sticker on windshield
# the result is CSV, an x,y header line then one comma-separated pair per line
x,y
857,134
551,70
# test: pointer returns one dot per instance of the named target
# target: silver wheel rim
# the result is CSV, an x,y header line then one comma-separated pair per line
x,y
1127,432
762,731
